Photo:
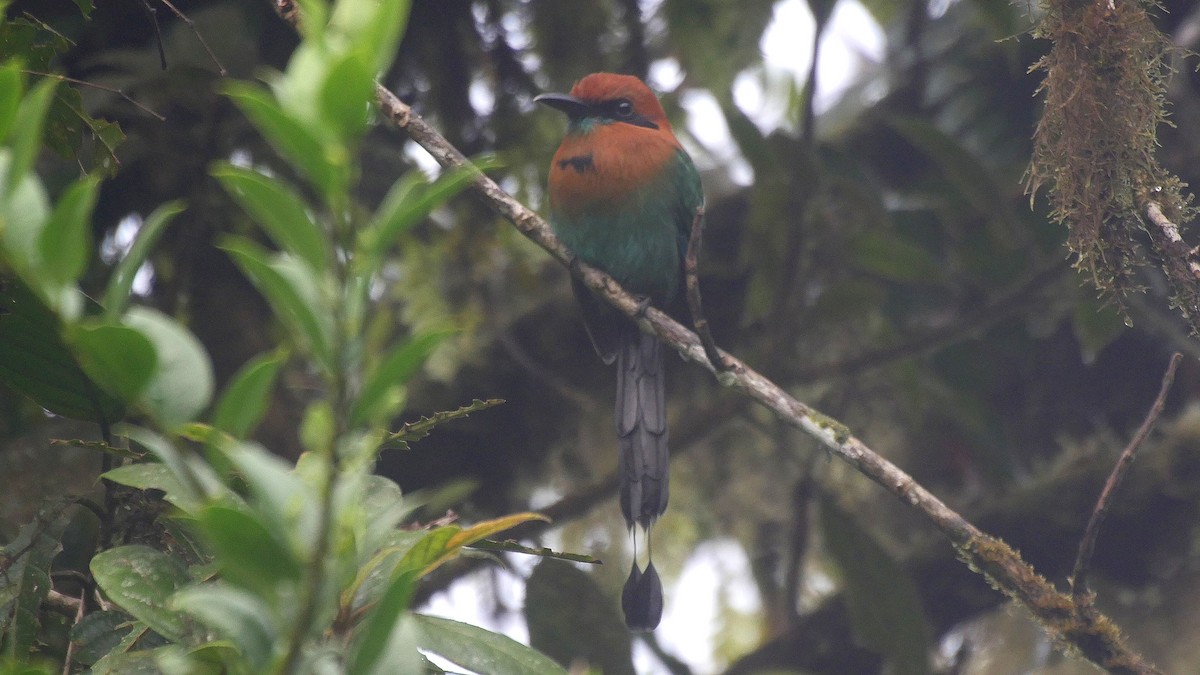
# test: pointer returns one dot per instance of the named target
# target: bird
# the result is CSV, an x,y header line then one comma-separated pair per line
x,y
623,196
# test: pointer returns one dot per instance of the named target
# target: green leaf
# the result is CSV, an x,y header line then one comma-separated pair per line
x,y
140,580
446,543
194,480
397,368
885,609
346,95
246,398
481,650
384,507
289,136
11,88
24,214
116,295
182,383
30,43
122,360
373,29
513,546
77,136
85,6
959,167
280,210
380,625
409,200
25,581
1096,326
247,551
147,476
891,257
235,614
25,136
291,288
140,662
36,362
375,575
65,244
98,634
278,492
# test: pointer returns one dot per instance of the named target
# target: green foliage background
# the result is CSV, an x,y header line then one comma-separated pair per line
x,y
884,264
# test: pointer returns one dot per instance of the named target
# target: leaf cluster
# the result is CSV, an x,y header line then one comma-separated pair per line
x,y
260,564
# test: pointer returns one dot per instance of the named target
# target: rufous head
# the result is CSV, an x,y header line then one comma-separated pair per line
x,y
607,98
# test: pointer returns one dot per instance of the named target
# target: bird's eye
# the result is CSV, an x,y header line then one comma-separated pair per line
x,y
624,109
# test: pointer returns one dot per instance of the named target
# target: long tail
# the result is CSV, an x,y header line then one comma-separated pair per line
x,y
642,429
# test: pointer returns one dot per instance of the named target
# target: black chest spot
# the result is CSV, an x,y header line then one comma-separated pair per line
x,y
581,163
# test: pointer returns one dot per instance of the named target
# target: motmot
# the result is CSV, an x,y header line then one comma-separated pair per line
x,y
623,196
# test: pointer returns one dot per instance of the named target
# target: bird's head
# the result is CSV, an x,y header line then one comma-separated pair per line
x,y
607,98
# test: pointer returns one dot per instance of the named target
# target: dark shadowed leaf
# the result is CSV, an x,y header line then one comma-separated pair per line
x,y
25,582
887,255
884,607
36,362
74,134
572,620
97,634
960,168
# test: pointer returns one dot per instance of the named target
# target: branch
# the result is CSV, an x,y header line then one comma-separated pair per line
x,y
1179,261
1097,640
1087,546
93,85
691,267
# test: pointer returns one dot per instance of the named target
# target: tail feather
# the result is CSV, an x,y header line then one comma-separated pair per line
x,y
642,599
642,427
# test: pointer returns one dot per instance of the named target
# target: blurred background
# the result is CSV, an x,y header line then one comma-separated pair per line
x,y
869,246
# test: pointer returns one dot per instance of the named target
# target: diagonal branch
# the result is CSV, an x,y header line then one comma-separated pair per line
x,y
1094,636
1087,546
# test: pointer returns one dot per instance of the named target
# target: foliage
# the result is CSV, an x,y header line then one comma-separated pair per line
x,y
258,565
870,248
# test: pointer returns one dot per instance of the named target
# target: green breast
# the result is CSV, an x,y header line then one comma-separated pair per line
x,y
639,240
